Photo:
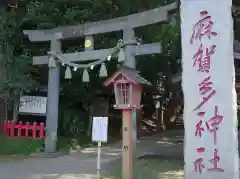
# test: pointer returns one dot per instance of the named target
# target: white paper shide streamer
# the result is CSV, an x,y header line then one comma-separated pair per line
x,y
208,82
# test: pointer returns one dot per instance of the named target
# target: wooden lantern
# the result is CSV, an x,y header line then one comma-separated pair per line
x,y
127,85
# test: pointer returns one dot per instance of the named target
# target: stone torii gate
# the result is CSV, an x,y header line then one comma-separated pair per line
x,y
126,23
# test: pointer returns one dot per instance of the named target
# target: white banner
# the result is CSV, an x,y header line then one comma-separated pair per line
x,y
210,113
33,104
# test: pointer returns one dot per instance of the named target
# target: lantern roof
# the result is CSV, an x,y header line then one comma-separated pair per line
x,y
131,74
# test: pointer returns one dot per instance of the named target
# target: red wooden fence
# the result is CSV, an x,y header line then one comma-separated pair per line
x,y
13,129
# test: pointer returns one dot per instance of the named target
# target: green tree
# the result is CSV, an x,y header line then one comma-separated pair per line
x,y
15,65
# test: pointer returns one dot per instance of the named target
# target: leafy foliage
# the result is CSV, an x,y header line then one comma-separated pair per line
x,y
15,64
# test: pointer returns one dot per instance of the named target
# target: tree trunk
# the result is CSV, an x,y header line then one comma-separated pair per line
x,y
90,121
171,111
15,108
3,112
158,121
161,115
139,126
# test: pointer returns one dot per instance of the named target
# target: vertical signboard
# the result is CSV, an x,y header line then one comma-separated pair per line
x,y
208,82
99,135
100,129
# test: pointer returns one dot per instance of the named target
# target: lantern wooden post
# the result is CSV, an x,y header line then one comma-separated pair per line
x,y
127,144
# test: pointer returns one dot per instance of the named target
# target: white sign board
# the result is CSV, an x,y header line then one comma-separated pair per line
x,y
33,104
208,82
100,129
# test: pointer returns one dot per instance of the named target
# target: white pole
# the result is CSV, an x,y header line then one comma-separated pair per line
x,y
98,160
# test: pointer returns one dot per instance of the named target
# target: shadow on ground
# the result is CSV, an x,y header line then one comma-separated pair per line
x,y
154,167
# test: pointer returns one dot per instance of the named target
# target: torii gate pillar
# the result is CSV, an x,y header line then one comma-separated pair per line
x,y
52,102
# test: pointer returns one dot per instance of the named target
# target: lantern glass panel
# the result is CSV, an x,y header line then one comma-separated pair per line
x,y
123,93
